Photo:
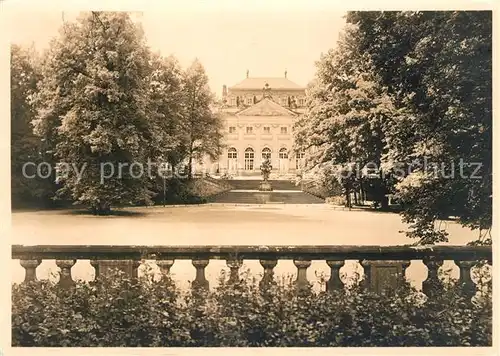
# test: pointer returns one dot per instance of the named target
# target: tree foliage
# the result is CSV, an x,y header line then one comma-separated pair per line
x,y
107,111
343,129
202,126
26,148
410,92
438,68
93,106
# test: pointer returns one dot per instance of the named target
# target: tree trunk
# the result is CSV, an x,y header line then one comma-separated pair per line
x,y
384,203
190,166
101,208
355,197
190,161
348,197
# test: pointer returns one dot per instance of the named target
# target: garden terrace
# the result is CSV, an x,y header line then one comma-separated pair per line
x,y
384,266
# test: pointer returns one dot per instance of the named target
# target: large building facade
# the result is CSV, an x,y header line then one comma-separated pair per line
x,y
259,115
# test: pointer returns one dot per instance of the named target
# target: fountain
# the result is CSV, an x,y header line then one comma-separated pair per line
x,y
265,169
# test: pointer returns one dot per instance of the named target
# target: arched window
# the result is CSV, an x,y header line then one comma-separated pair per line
x,y
283,153
249,156
232,153
266,153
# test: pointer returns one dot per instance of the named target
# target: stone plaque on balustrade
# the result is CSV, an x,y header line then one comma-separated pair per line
x,y
105,267
383,276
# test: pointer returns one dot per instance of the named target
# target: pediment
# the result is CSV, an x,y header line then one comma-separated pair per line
x,y
266,107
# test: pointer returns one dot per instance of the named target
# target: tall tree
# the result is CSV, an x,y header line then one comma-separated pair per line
x,y
202,124
26,148
438,68
92,108
342,130
165,108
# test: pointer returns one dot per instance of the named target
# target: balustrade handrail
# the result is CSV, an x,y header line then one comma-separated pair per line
x,y
307,252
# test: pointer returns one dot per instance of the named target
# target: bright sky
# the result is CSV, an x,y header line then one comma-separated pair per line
x,y
227,43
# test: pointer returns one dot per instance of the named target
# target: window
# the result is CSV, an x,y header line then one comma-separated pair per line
x,y
232,129
249,101
266,153
249,156
301,102
267,130
299,160
249,130
284,101
232,153
283,130
283,153
233,101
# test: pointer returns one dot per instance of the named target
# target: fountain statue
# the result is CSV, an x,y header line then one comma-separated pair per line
x,y
265,169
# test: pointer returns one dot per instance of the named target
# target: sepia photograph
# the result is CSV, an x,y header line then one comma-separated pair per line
x,y
234,178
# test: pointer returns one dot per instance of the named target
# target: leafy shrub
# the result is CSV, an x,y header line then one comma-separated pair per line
x,y
117,311
177,192
189,191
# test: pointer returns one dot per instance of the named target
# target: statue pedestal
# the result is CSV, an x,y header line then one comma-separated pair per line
x,y
265,186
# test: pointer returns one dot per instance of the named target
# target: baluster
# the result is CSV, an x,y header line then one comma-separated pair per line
x,y
366,281
30,269
65,279
404,266
432,285
95,264
468,286
234,266
268,276
334,283
135,268
302,266
200,282
165,266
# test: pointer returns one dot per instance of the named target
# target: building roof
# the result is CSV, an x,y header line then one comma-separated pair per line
x,y
253,83
266,107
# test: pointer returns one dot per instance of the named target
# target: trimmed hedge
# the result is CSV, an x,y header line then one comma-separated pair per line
x,y
189,191
120,312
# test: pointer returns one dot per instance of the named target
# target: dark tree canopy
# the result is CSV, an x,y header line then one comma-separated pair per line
x,y
404,88
101,98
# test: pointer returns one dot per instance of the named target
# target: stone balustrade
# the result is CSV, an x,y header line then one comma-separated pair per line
x,y
384,266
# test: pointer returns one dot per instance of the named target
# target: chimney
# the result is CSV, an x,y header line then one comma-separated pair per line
x,y
248,72
224,90
285,73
